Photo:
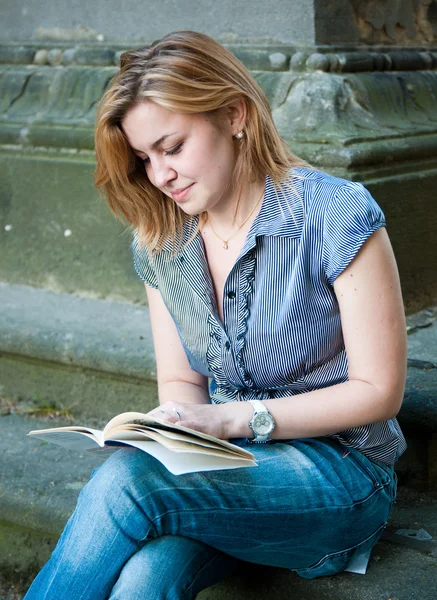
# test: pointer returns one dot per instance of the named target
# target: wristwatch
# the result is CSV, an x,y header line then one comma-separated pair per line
x,y
262,423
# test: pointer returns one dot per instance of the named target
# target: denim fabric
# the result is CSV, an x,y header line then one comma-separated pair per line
x,y
140,532
172,567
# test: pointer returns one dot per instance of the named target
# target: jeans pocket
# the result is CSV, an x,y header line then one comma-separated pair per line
x,y
380,476
336,562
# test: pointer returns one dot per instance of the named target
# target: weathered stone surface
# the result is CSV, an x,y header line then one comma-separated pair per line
x,y
281,21
345,111
278,61
398,22
88,56
56,94
41,57
41,197
54,56
16,55
408,201
357,107
87,394
106,336
401,22
419,409
93,357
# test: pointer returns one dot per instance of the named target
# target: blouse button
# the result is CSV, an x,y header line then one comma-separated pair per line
x,y
231,295
227,345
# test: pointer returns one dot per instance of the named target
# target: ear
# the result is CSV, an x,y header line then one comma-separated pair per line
x,y
236,114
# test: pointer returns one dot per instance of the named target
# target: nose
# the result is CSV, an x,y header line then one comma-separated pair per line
x,y
162,172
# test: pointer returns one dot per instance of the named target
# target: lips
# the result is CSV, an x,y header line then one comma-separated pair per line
x,y
180,194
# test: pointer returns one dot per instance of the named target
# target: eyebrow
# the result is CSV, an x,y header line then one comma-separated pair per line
x,y
156,144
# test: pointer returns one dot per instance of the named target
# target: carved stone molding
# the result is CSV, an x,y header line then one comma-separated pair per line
x,y
338,109
361,61
360,119
396,21
281,58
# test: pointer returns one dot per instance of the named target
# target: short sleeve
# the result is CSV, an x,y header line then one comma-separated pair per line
x,y
350,219
142,264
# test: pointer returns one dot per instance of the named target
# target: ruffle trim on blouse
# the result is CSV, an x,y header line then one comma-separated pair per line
x,y
221,395
214,350
246,285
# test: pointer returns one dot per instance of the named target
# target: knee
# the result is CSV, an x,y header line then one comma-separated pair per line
x,y
120,470
117,483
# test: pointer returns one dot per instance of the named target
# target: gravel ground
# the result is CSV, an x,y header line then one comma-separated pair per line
x,y
10,592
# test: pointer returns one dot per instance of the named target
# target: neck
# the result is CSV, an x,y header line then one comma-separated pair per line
x,y
231,212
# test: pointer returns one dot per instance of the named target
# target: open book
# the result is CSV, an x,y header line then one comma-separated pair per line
x,y
179,449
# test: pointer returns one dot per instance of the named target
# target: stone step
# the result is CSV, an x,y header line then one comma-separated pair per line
x,y
39,485
62,350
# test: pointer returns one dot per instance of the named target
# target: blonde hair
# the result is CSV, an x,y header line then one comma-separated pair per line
x,y
190,73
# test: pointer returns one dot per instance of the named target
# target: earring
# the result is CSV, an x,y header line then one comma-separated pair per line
x,y
239,135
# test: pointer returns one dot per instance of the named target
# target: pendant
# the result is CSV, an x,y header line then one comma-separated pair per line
x,y
225,245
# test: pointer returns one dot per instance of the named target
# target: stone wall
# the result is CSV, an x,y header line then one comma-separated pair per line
x,y
139,21
364,114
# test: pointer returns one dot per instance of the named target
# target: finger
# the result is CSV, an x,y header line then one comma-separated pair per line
x,y
177,413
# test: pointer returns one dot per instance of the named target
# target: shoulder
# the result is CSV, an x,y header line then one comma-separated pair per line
x,y
143,262
319,188
308,198
326,198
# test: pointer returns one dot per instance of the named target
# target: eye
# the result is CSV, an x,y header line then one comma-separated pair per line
x,y
175,150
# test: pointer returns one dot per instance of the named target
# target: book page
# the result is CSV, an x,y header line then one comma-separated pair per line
x,y
119,421
176,445
199,442
74,440
181,463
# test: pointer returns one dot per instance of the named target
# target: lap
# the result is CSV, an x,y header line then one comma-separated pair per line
x,y
306,500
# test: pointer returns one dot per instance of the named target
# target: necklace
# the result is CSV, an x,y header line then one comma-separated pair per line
x,y
226,242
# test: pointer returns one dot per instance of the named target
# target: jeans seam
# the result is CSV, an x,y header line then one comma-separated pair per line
x,y
340,553
263,512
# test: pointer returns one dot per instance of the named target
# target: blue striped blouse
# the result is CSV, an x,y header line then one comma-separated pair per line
x,y
282,332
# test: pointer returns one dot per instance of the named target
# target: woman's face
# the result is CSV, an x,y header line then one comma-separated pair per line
x,y
188,157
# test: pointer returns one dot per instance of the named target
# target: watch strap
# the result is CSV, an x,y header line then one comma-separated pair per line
x,y
258,407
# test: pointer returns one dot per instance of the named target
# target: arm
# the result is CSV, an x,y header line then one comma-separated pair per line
x,y
176,381
373,323
371,308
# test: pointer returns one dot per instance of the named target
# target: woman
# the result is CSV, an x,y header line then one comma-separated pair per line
x,y
278,283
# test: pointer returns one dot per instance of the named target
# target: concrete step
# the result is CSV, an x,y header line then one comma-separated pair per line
x,y
93,357
40,483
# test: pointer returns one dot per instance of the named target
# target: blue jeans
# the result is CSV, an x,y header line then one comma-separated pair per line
x,y
139,532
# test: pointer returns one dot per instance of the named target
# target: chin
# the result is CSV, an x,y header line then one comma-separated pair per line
x,y
192,208
191,212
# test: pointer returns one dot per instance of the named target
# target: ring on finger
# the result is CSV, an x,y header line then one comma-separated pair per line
x,y
177,413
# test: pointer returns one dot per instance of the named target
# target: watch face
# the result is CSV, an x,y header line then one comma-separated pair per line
x,y
263,424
